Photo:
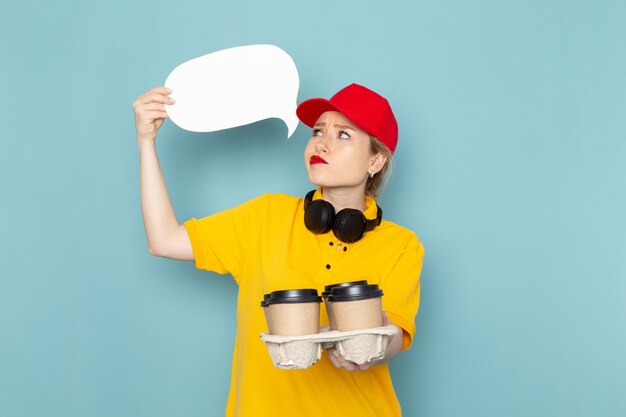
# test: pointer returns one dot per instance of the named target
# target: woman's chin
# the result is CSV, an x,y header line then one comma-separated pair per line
x,y
321,183
316,180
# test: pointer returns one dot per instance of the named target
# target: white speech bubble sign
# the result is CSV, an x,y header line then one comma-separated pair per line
x,y
234,87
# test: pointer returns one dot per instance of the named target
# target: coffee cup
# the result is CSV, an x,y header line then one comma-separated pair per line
x,y
292,312
356,307
329,305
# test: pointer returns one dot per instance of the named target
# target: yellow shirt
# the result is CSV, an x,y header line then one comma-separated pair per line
x,y
265,245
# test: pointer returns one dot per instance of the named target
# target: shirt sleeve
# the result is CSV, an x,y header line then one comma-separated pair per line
x,y
221,241
401,286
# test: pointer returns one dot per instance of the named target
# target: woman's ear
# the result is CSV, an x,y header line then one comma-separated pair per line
x,y
377,162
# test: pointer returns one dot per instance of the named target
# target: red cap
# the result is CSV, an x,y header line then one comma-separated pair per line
x,y
365,108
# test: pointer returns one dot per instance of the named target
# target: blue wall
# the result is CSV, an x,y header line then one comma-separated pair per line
x,y
511,168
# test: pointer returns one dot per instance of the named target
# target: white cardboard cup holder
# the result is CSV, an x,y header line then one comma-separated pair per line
x,y
300,352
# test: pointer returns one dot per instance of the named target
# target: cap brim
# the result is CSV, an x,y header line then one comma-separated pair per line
x,y
310,110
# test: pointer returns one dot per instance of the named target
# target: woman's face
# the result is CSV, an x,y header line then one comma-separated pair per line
x,y
338,153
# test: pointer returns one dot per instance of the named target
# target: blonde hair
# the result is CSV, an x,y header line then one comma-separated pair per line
x,y
376,183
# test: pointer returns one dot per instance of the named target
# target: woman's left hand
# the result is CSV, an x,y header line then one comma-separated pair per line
x,y
340,362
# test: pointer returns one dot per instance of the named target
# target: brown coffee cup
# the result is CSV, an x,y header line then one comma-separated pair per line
x,y
329,305
292,312
357,307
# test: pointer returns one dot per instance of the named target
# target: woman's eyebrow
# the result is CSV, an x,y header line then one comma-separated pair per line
x,y
337,124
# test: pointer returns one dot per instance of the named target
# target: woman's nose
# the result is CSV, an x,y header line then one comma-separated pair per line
x,y
322,144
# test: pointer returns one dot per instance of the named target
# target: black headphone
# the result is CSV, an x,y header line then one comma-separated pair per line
x,y
349,225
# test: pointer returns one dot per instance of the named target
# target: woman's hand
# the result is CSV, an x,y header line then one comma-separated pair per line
x,y
393,348
340,362
150,112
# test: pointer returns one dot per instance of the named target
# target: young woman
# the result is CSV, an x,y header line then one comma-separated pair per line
x,y
277,241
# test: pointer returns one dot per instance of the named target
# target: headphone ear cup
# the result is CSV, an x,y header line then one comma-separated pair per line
x,y
319,216
350,225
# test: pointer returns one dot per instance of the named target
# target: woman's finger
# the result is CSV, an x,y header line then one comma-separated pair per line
x,y
161,98
155,114
161,89
153,106
345,364
150,98
158,90
332,357
364,367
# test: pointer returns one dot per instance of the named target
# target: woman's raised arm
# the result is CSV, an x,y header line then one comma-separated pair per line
x,y
166,237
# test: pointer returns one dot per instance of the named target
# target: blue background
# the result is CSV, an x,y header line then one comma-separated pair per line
x,y
511,168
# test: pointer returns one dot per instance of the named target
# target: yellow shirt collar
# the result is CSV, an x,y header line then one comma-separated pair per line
x,y
371,209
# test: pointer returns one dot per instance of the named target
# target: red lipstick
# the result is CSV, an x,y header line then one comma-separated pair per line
x,y
317,160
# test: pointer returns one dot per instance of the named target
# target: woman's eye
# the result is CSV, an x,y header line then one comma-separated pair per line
x,y
316,132
343,135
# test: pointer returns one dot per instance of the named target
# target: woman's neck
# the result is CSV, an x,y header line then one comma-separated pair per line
x,y
342,198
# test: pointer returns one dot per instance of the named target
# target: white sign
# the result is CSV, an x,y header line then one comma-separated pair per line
x,y
234,87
